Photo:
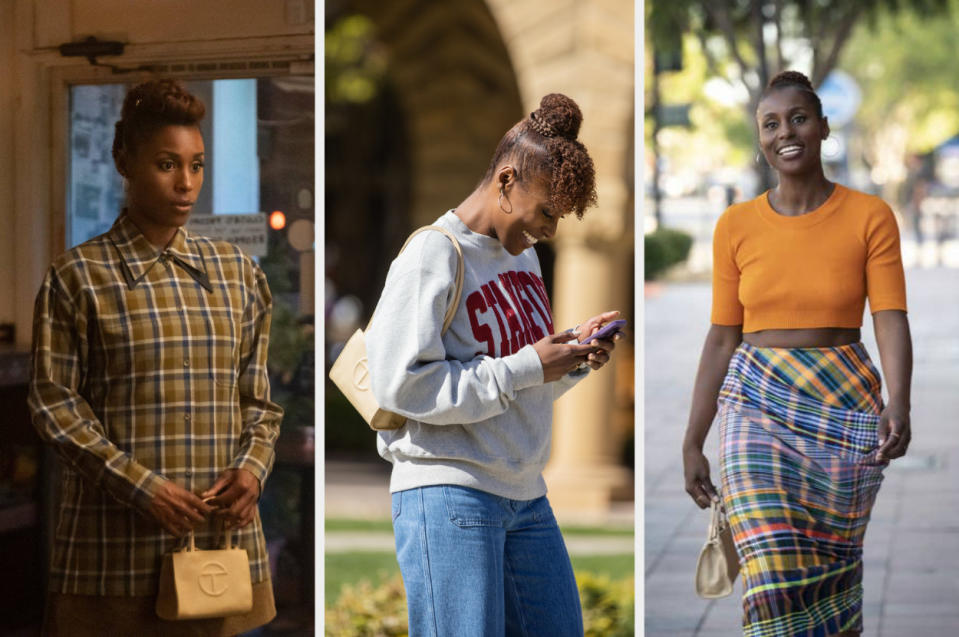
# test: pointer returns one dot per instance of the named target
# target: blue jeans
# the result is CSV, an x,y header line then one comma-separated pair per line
x,y
477,564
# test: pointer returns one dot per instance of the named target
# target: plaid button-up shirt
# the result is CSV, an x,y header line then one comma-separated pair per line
x,y
148,366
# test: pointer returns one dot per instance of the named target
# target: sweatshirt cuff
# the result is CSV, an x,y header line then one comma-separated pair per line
x,y
525,368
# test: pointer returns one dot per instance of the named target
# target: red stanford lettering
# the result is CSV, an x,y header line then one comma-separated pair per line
x,y
516,303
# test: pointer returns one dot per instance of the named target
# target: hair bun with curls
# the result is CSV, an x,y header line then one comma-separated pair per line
x,y
557,116
148,107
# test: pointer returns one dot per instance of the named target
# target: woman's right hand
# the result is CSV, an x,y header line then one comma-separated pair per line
x,y
177,510
558,356
696,471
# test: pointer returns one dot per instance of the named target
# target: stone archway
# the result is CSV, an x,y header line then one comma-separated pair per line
x,y
455,84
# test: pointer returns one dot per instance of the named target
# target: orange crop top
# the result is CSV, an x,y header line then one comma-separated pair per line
x,y
772,271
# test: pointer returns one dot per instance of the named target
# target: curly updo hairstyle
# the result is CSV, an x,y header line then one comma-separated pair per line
x,y
149,107
797,80
544,146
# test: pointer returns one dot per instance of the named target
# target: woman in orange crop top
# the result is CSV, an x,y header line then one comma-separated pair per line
x,y
804,433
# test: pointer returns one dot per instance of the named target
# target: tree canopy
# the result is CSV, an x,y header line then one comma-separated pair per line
x,y
742,43
749,41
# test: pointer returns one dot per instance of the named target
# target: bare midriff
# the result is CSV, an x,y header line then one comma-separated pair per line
x,y
807,337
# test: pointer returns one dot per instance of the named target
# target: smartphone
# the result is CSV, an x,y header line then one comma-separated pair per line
x,y
605,331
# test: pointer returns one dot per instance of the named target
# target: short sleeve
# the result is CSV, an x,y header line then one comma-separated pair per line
x,y
727,309
885,280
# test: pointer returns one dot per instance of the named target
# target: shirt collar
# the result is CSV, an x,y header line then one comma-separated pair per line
x,y
138,255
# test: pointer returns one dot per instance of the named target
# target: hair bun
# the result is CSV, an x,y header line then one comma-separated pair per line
x,y
790,77
148,107
557,115
161,97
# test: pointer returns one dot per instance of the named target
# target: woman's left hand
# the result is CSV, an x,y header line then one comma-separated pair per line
x,y
600,356
235,494
895,432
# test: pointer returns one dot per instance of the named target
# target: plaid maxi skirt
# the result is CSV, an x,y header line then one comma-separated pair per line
x,y
799,475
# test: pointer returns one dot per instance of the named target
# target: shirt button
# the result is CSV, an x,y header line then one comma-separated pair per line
x,y
186,417
186,362
188,473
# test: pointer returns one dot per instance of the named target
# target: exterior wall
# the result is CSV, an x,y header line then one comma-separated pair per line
x,y
186,20
7,105
31,173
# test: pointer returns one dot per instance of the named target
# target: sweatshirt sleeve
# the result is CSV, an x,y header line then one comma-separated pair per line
x,y
410,372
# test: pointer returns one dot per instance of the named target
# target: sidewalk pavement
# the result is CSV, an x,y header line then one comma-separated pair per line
x,y
911,560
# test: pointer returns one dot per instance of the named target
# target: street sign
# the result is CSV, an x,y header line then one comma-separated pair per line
x,y
674,115
248,231
671,60
840,96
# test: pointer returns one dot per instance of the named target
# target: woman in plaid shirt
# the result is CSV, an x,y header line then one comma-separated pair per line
x,y
150,381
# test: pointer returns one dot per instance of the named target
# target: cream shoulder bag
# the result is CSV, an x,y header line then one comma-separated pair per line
x,y
718,563
351,373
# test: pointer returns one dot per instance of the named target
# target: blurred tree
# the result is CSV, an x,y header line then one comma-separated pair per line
x,y
905,63
745,42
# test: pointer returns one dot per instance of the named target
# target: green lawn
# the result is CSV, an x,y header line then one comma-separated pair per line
x,y
351,567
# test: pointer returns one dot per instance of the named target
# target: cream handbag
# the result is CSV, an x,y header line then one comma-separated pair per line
x,y
197,584
718,563
351,373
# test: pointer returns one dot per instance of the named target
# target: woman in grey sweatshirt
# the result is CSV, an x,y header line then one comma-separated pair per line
x,y
480,551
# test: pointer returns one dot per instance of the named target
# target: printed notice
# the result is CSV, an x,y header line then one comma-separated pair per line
x,y
246,231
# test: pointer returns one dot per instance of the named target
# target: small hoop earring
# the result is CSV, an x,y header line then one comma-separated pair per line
x,y
830,148
501,193
758,159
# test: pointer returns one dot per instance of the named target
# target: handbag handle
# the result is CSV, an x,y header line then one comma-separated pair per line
x,y
717,521
227,536
226,541
458,292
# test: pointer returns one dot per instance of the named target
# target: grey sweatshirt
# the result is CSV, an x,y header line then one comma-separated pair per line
x,y
479,414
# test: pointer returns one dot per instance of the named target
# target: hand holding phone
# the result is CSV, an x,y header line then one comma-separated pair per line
x,y
605,332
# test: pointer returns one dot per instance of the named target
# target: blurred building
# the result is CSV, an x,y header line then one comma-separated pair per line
x,y
418,94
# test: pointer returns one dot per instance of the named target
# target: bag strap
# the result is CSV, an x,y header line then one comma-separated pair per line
x,y
717,521
460,267
227,536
